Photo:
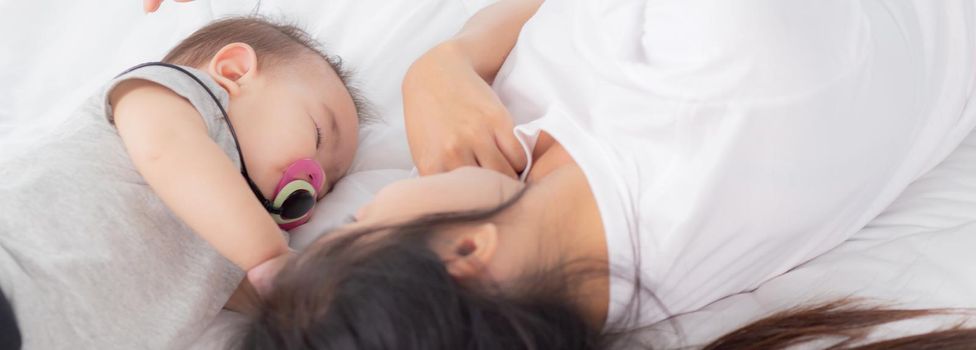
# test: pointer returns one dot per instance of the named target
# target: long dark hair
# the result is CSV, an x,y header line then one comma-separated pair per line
x,y
384,288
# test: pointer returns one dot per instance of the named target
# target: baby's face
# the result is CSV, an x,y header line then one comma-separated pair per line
x,y
294,110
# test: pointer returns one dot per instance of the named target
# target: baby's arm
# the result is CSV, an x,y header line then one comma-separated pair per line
x,y
169,145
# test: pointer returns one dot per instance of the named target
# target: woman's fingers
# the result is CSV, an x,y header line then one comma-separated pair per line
x,y
151,5
453,118
511,148
504,137
447,159
489,156
456,160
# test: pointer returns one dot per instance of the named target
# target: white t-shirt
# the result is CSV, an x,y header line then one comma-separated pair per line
x,y
727,142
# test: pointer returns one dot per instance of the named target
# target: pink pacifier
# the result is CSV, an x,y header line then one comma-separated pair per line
x,y
296,193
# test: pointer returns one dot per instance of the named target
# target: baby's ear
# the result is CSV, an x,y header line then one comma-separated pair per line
x,y
233,65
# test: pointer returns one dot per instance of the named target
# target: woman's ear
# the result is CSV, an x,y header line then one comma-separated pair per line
x,y
470,250
232,66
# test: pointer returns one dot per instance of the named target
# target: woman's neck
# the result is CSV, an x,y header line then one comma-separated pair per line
x,y
568,219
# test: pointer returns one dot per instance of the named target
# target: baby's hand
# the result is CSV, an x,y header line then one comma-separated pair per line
x,y
153,5
262,276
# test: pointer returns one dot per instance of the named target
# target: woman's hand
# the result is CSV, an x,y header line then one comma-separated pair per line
x,y
153,5
453,117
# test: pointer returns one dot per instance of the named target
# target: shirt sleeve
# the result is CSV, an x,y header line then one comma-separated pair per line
x,y
209,106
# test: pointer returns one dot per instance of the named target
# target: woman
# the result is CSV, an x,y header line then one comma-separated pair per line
x,y
673,155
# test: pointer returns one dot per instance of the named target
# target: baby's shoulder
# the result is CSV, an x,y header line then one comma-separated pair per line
x,y
170,87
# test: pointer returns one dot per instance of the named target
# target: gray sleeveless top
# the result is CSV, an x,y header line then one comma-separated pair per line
x,y
90,257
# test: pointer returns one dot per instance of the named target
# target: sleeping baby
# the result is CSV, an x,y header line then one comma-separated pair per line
x,y
138,218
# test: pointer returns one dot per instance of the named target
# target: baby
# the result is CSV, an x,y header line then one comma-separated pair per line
x,y
233,137
291,118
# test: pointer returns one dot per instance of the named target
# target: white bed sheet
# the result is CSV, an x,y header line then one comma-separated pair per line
x,y
53,54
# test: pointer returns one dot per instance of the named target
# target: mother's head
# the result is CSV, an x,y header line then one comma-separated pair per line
x,y
421,270
455,261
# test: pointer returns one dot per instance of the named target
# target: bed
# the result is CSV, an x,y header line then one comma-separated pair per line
x,y
53,54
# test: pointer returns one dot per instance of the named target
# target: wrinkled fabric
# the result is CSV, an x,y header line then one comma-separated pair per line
x,y
727,142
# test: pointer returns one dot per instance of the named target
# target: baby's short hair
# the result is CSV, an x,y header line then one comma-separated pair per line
x,y
272,43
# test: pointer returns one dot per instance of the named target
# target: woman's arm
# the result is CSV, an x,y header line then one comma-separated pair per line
x,y
452,116
489,35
